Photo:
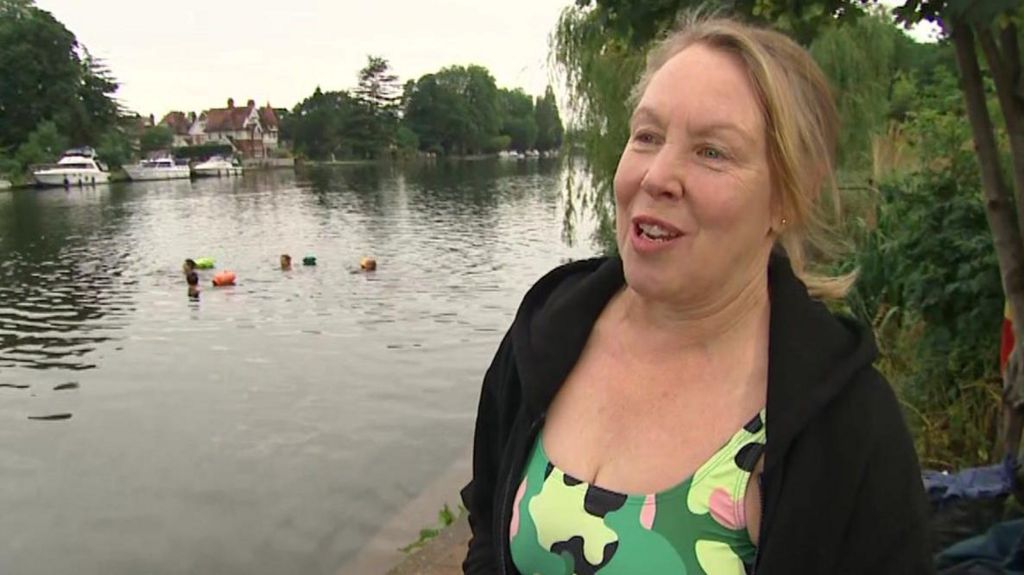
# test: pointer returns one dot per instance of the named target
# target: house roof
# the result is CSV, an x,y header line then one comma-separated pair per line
x,y
178,122
226,119
268,117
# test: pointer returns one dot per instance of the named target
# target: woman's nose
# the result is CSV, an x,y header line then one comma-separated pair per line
x,y
664,175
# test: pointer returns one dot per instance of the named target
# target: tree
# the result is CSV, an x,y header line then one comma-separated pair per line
x,y
96,111
115,148
481,94
156,138
376,118
378,86
437,115
549,122
517,119
318,125
993,25
43,145
454,111
47,75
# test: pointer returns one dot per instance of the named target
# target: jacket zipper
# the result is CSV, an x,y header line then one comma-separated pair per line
x,y
506,516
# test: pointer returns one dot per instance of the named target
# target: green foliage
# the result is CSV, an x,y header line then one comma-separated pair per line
x,y
115,148
44,145
445,517
47,75
517,120
317,125
458,110
601,63
929,283
407,140
373,125
156,138
640,22
454,111
549,123
95,110
860,61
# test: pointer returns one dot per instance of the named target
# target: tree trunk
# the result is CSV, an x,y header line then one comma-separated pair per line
x,y
998,207
1001,219
1003,66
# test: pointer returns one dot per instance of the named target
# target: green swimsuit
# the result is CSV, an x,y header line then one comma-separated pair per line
x,y
563,526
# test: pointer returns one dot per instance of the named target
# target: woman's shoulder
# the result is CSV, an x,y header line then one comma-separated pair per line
x,y
866,415
574,279
571,271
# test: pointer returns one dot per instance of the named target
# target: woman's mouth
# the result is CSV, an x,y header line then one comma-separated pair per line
x,y
650,234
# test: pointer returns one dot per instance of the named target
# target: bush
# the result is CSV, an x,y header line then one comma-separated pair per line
x,y
278,153
115,149
44,145
929,284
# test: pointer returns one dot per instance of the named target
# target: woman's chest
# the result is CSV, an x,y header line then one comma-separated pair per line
x,y
643,429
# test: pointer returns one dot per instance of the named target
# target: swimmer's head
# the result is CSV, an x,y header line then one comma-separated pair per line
x,y
188,266
286,262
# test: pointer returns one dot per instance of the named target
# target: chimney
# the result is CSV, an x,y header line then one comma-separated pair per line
x,y
152,120
251,103
231,103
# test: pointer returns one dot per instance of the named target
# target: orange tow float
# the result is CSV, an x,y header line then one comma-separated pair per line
x,y
224,278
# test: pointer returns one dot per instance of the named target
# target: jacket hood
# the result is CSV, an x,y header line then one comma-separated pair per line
x,y
812,354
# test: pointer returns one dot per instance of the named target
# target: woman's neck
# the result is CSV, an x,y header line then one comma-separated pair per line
x,y
736,317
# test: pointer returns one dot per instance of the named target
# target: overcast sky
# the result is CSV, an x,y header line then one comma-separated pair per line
x,y
191,55
194,54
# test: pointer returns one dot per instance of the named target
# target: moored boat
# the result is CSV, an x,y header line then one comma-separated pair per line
x,y
157,169
76,167
216,166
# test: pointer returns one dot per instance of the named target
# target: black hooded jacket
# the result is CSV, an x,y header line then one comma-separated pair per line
x,y
842,492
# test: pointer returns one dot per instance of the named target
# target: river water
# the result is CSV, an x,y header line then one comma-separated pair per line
x,y
273,426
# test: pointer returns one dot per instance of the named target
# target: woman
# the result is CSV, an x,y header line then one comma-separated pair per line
x,y
691,406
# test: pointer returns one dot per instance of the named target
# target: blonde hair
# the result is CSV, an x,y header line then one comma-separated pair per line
x,y
801,130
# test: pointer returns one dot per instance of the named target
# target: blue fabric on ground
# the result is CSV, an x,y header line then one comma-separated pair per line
x,y
972,483
1000,550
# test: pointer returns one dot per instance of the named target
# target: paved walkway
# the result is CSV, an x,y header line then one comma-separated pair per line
x,y
442,555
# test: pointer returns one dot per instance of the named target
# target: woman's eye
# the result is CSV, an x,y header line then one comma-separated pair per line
x,y
711,154
644,138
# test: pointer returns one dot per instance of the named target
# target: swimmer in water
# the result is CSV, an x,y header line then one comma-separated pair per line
x,y
193,285
286,262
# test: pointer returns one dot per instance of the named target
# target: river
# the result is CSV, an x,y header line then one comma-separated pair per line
x,y
271,427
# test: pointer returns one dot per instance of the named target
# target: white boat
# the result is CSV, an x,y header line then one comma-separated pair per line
x,y
157,169
216,166
77,167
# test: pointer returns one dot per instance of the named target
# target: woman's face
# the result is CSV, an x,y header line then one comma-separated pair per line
x,y
693,189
